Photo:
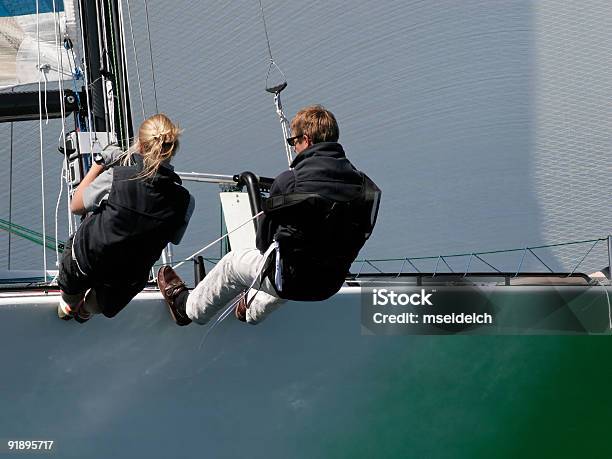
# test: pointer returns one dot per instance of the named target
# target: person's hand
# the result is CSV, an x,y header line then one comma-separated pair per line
x,y
108,156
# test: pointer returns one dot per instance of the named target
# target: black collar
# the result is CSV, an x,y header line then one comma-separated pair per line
x,y
329,149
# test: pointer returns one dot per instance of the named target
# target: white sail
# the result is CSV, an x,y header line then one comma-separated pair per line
x,y
26,35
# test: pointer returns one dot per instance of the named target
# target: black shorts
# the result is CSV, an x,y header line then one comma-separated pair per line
x,y
111,298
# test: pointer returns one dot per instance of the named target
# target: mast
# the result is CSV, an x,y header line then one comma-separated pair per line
x,y
105,57
94,64
118,56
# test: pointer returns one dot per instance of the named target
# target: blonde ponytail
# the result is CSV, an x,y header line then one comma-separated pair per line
x,y
158,141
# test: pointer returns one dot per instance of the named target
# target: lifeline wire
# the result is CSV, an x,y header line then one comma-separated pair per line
x,y
216,240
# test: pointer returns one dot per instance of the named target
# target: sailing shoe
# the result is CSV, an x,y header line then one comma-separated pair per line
x,y
175,293
241,309
67,312
82,316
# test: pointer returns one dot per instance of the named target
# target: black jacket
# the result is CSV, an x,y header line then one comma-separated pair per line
x,y
122,239
318,240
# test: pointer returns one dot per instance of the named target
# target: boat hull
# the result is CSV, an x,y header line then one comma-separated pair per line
x,y
304,383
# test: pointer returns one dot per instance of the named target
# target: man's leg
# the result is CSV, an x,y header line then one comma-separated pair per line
x,y
262,304
234,273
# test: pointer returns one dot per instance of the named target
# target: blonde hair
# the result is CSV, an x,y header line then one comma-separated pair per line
x,y
157,142
316,122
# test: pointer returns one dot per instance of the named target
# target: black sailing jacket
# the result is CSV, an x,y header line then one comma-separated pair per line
x,y
120,241
318,242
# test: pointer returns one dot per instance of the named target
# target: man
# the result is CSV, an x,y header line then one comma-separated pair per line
x,y
317,218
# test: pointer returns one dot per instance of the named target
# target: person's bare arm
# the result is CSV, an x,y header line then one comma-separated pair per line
x,y
76,204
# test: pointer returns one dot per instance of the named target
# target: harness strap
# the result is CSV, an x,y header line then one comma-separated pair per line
x,y
282,201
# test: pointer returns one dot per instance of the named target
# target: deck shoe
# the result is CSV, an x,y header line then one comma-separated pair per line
x,y
175,293
82,316
241,308
67,312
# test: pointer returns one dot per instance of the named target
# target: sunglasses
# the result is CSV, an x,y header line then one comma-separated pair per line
x,y
293,140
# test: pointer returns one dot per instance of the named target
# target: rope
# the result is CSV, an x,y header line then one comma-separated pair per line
x,y
231,307
76,75
263,17
126,75
136,60
45,69
276,91
86,80
284,126
117,78
583,258
151,55
30,235
57,205
56,28
42,168
109,115
191,257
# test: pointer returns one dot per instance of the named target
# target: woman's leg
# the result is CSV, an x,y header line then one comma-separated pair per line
x,y
72,283
111,299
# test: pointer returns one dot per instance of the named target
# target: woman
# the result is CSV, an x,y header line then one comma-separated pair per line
x,y
138,206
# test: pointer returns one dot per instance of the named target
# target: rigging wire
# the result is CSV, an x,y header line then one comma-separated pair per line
x,y
151,55
121,57
57,30
229,309
86,79
103,46
76,75
263,17
276,90
116,93
191,257
126,75
40,134
136,60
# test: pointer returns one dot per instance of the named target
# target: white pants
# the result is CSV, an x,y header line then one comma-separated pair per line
x,y
234,273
